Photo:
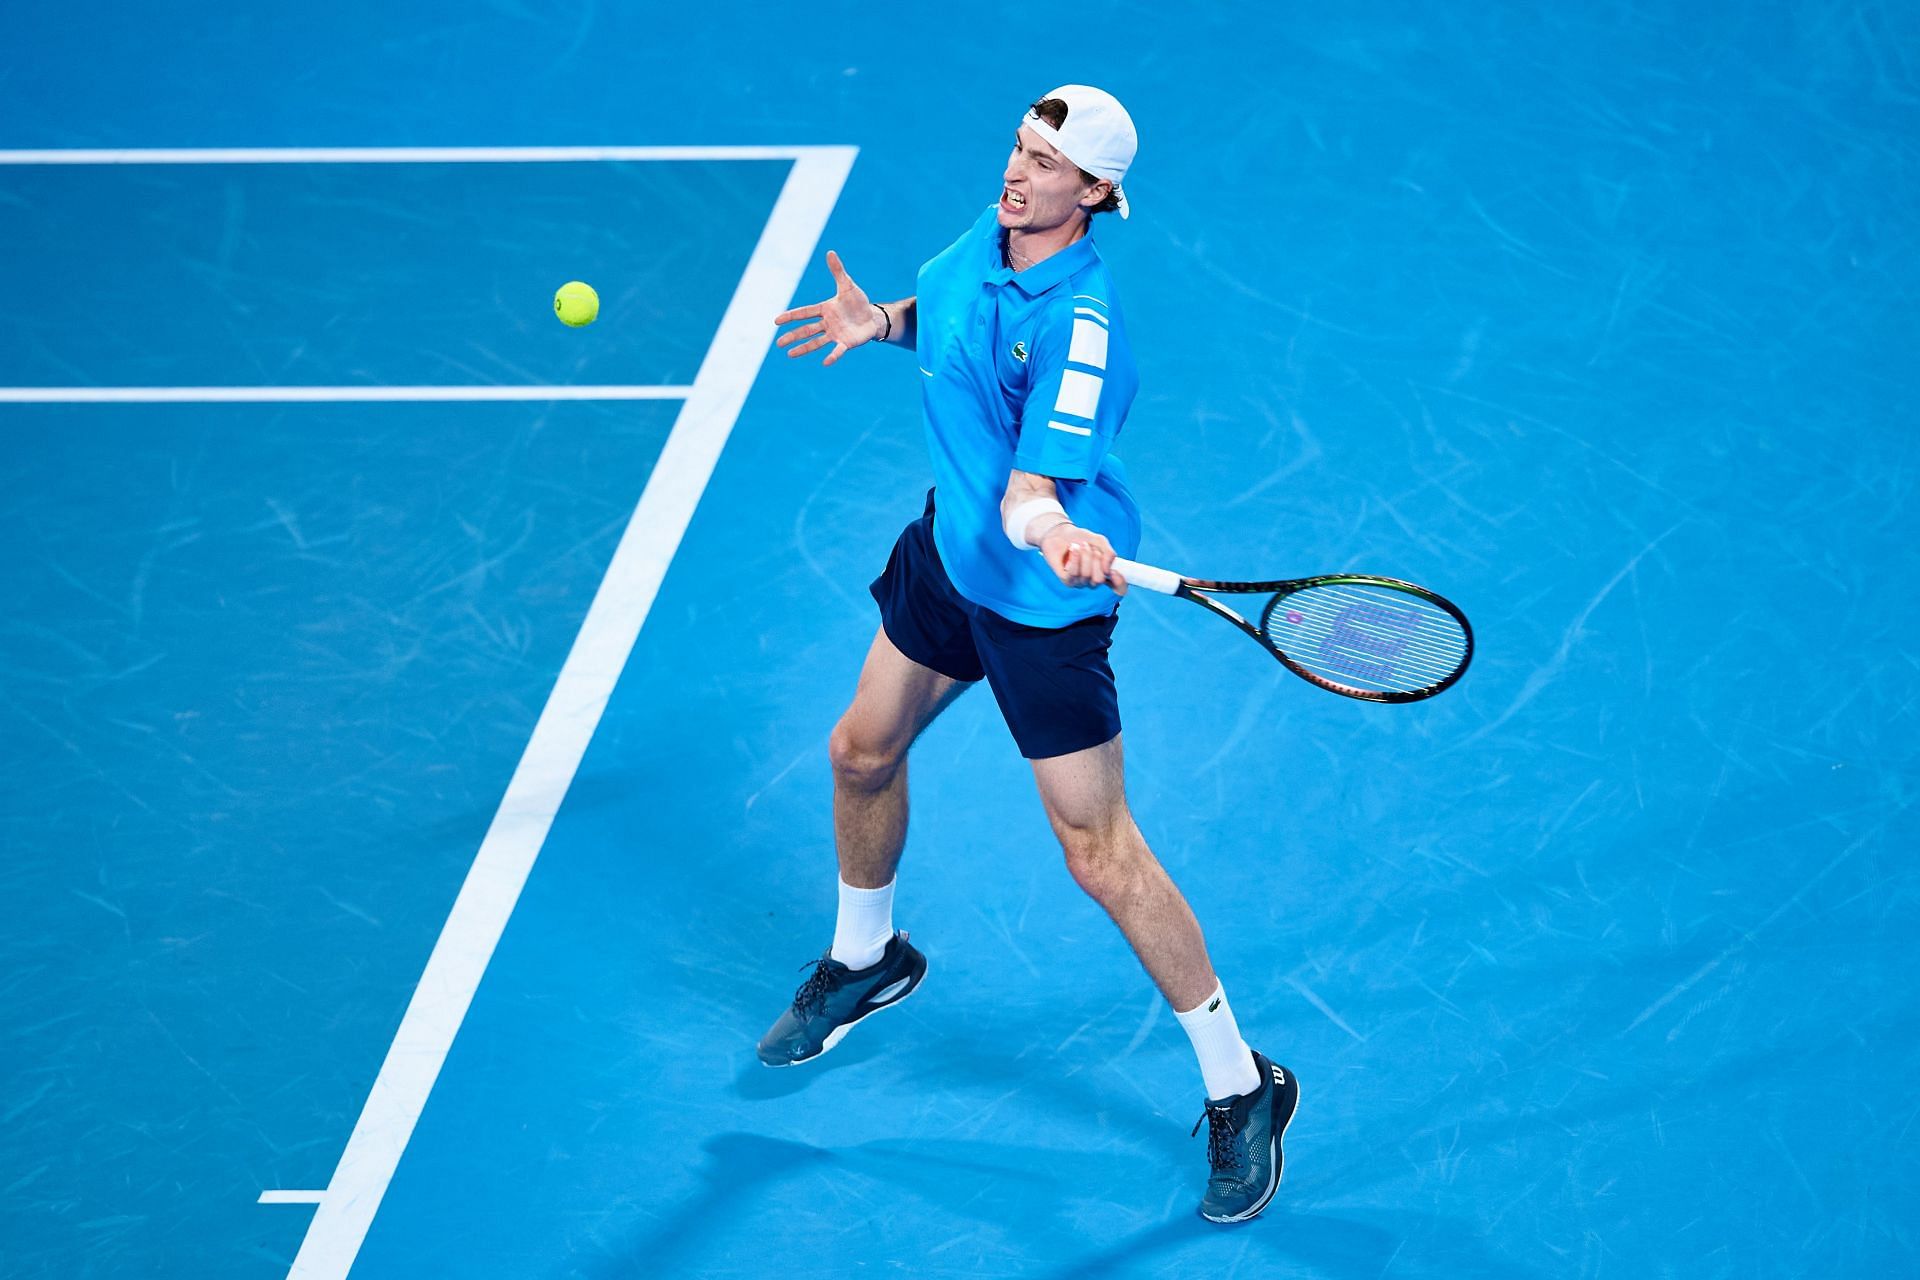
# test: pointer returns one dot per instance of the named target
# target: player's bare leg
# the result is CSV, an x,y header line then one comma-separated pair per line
x,y
870,967
1086,801
895,699
1250,1100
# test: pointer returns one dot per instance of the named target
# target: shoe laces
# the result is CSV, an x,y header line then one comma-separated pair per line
x,y
1220,1135
811,998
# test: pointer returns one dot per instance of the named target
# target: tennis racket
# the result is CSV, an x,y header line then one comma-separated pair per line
x,y
1376,639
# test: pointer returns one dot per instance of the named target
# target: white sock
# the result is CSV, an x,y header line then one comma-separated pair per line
x,y
1225,1061
865,924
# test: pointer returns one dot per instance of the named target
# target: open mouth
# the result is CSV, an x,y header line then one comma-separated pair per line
x,y
1011,200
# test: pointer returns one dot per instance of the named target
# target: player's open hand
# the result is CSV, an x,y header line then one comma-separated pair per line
x,y
1081,558
847,319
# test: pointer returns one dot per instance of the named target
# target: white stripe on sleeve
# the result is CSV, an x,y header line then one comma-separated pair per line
x,y
1089,344
1079,394
1069,427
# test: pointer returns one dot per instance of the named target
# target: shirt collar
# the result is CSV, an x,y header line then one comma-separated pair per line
x,y
1043,275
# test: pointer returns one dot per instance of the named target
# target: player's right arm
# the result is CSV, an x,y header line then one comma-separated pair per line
x,y
1031,515
848,319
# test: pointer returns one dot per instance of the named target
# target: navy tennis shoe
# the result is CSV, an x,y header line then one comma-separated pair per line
x,y
1243,1144
835,997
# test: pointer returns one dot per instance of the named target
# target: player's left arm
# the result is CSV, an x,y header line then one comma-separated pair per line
x,y
1078,557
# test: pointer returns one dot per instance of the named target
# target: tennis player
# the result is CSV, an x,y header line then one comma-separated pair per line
x,y
1027,376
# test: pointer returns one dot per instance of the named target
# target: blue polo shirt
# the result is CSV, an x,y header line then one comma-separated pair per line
x,y
1026,370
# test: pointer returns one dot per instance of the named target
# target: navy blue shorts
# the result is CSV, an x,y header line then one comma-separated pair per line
x,y
1053,684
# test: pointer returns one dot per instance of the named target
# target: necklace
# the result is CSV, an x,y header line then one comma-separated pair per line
x,y
1014,257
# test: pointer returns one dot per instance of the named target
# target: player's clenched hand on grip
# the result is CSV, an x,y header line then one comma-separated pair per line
x,y
848,319
1080,558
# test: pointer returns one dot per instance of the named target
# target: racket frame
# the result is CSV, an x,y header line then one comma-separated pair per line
x,y
1201,590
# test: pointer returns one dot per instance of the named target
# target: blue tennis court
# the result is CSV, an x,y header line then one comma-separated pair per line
x,y
416,797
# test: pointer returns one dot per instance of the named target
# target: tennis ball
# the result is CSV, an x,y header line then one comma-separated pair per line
x,y
576,304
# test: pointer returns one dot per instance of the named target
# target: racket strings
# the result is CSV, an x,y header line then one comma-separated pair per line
x,y
1399,625
1367,637
1345,649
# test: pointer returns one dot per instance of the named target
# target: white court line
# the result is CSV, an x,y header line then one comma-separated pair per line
x,y
283,395
568,720
403,155
292,1197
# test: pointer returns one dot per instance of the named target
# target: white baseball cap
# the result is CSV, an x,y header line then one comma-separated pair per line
x,y
1097,134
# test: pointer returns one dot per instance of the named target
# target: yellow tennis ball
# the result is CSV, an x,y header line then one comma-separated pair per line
x,y
576,304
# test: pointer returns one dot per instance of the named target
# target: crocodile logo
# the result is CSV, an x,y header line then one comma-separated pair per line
x,y
1020,352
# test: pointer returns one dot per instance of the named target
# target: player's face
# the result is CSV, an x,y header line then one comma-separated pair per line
x,y
1042,187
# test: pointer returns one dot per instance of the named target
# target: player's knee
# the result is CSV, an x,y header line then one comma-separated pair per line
x,y
1098,857
858,763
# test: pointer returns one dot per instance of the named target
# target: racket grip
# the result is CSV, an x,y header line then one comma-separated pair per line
x,y
1147,577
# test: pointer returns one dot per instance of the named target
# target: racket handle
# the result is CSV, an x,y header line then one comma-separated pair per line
x,y
1146,577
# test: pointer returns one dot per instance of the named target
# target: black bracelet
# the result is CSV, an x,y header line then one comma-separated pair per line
x,y
889,318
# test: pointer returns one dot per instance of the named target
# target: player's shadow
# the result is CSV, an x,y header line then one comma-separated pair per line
x,y
972,1061
1294,1241
999,1184
1002,1186
738,1169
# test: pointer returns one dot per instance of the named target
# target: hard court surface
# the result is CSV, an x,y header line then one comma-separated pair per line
x,y
1599,319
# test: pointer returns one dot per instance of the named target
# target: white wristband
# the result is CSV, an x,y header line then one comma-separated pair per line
x,y
1021,516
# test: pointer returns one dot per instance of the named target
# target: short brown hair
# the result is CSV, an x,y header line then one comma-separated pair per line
x,y
1054,112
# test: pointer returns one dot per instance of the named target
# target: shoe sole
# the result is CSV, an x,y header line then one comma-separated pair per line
x,y
839,1033
1279,1168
